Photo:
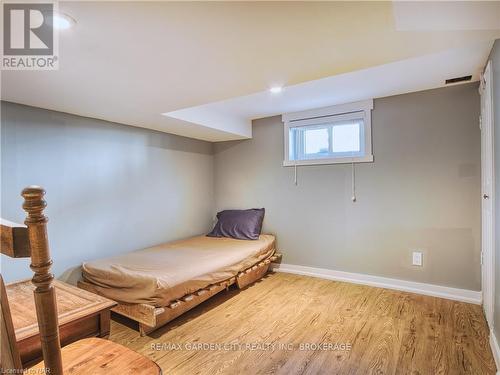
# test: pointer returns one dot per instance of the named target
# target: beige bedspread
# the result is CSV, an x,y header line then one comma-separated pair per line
x,y
163,273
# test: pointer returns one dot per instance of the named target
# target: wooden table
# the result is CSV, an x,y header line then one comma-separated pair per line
x,y
81,314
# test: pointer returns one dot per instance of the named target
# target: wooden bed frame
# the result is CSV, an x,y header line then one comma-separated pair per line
x,y
151,318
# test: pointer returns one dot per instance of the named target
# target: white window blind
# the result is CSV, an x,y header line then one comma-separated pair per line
x,y
338,134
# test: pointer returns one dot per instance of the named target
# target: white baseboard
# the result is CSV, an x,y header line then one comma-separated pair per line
x,y
495,348
462,295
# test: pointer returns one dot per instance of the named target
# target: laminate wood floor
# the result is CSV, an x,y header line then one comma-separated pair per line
x,y
289,324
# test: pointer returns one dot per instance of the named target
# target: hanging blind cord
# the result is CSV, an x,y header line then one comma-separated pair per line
x,y
353,198
295,173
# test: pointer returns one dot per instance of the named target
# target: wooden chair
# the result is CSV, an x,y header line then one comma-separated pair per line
x,y
88,356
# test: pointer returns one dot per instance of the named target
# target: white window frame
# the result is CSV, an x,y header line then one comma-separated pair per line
x,y
328,114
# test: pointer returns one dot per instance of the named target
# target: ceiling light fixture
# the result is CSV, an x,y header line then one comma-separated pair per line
x,y
62,21
276,89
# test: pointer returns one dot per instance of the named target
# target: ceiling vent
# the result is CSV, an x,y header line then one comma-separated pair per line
x,y
458,79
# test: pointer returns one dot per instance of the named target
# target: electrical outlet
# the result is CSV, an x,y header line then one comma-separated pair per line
x,y
417,258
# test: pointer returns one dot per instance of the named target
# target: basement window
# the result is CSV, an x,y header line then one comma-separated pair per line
x,y
338,134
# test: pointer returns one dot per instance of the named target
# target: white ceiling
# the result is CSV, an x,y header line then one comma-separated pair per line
x,y
415,74
211,63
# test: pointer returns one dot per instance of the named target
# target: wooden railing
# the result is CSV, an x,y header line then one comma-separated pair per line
x,y
30,240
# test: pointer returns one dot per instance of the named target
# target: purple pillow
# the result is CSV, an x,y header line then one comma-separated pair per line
x,y
239,224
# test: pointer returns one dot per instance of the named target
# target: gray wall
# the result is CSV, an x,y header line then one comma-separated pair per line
x,y
113,188
422,192
495,58
110,188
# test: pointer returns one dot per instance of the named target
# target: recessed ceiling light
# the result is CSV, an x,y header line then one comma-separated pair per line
x,y
276,89
63,21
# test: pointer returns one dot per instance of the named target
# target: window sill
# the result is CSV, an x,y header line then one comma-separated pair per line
x,y
364,159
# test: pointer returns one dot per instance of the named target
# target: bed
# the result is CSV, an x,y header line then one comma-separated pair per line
x,y
155,285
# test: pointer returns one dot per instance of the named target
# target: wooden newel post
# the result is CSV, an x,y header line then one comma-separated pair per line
x,y
45,296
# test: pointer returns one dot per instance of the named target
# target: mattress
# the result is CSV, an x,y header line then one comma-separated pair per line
x,y
161,274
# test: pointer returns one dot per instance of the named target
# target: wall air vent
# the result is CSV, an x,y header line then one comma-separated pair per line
x,y
458,79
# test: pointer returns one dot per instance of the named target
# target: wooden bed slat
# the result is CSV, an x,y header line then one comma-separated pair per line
x,y
171,314
275,257
175,304
252,274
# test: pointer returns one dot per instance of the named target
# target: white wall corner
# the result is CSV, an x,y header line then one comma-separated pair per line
x,y
495,348
462,295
